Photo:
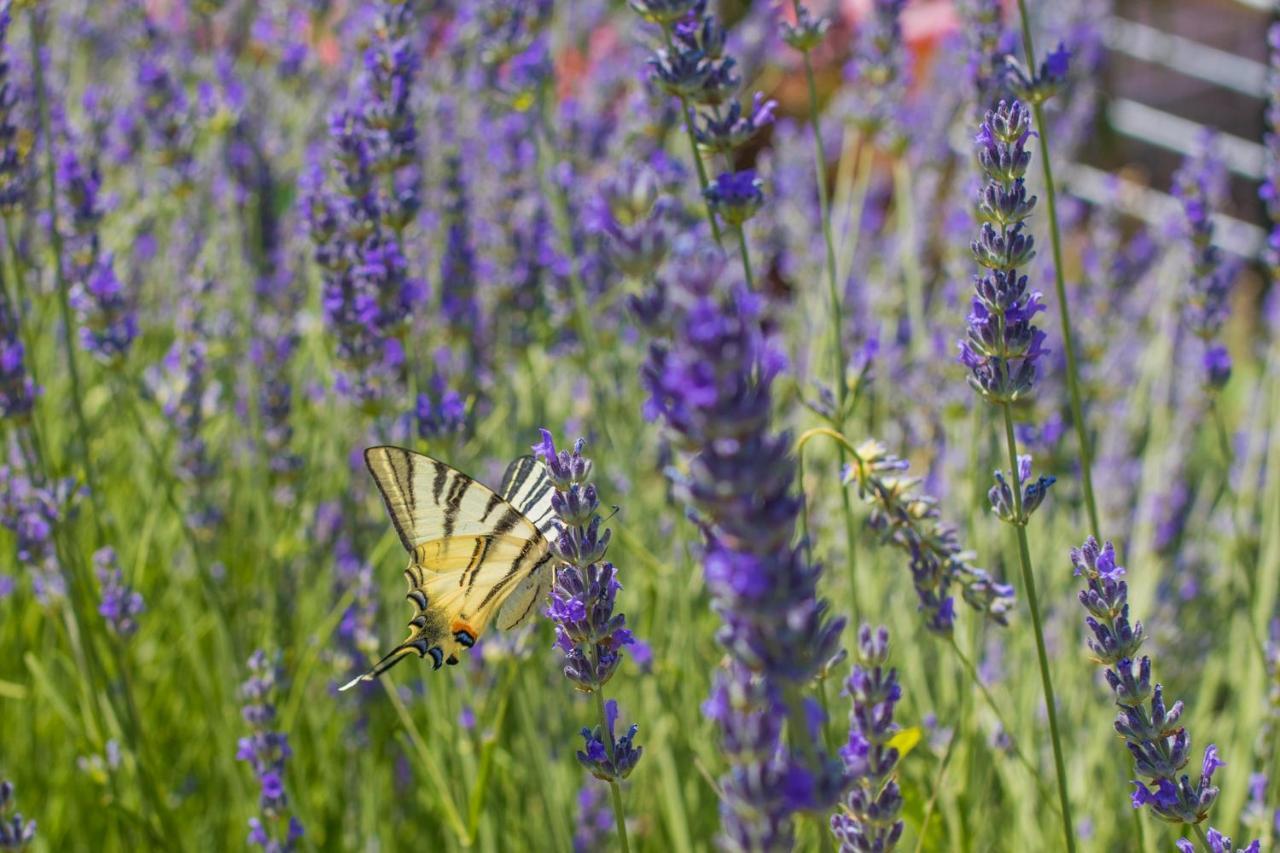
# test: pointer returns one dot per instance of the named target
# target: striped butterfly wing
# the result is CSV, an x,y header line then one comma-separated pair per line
x,y
473,555
527,485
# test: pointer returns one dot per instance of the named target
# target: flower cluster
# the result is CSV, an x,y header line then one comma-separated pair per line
x,y
1218,843
33,513
1034,492
877,73
1003,343
635,214
108,318
15,833
1152,730
870,818
709,375
1038,85
189,396
594,819
807,32
983,25
120,604
909,520
162,121
266,751
1197,185
356,225
607,756
14,163
588,632
1270,190
17,389
694,67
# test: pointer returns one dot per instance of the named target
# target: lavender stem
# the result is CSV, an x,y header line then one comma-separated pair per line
x,y
1029,583
1060,287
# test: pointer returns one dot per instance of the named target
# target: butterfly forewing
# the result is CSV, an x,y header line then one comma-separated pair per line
x,y
475,553
527,485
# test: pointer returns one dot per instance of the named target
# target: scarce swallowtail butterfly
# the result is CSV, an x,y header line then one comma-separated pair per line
x,y
475,555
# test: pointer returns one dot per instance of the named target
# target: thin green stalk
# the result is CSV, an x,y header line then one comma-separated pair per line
x,y
55,239
837,317
904,205
1029,581
1060,287
824,210
619,816
746,257
693,146
1200,835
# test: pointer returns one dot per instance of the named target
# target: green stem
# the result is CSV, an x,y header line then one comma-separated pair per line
x,y
55,239
837,317
904,205
1028,581
824,209
746,257
619,816
693,145
1060,288
1200,835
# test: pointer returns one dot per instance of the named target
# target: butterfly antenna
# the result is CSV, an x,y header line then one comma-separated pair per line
x,y
616,510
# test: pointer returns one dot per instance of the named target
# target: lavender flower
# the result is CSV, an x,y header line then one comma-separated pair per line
x,y
736,196
1036,87
709,375
610,760
807,32
33,513
594,820
1270,189
869,820
695,68
983,26
120,604
266,751
1218,843
588,632
909,520
17,389
163,113
636,217
1033,493
15,833
14,163
1152,730
1003,344
390,64
108,318
877,73
1196,185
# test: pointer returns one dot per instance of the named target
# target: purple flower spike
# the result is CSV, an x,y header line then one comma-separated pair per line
x,y
709,378
120,605
869,818
1003,343
1151,728
15,833
266,751
1198,185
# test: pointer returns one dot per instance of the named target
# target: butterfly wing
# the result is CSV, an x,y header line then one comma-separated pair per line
x,y
473,553
527,485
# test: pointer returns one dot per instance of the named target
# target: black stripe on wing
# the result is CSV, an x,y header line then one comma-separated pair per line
x,y
527,486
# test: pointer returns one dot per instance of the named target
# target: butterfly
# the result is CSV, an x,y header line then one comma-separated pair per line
x,y
476,555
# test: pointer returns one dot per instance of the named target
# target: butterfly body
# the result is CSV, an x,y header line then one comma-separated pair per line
x,y
476,556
